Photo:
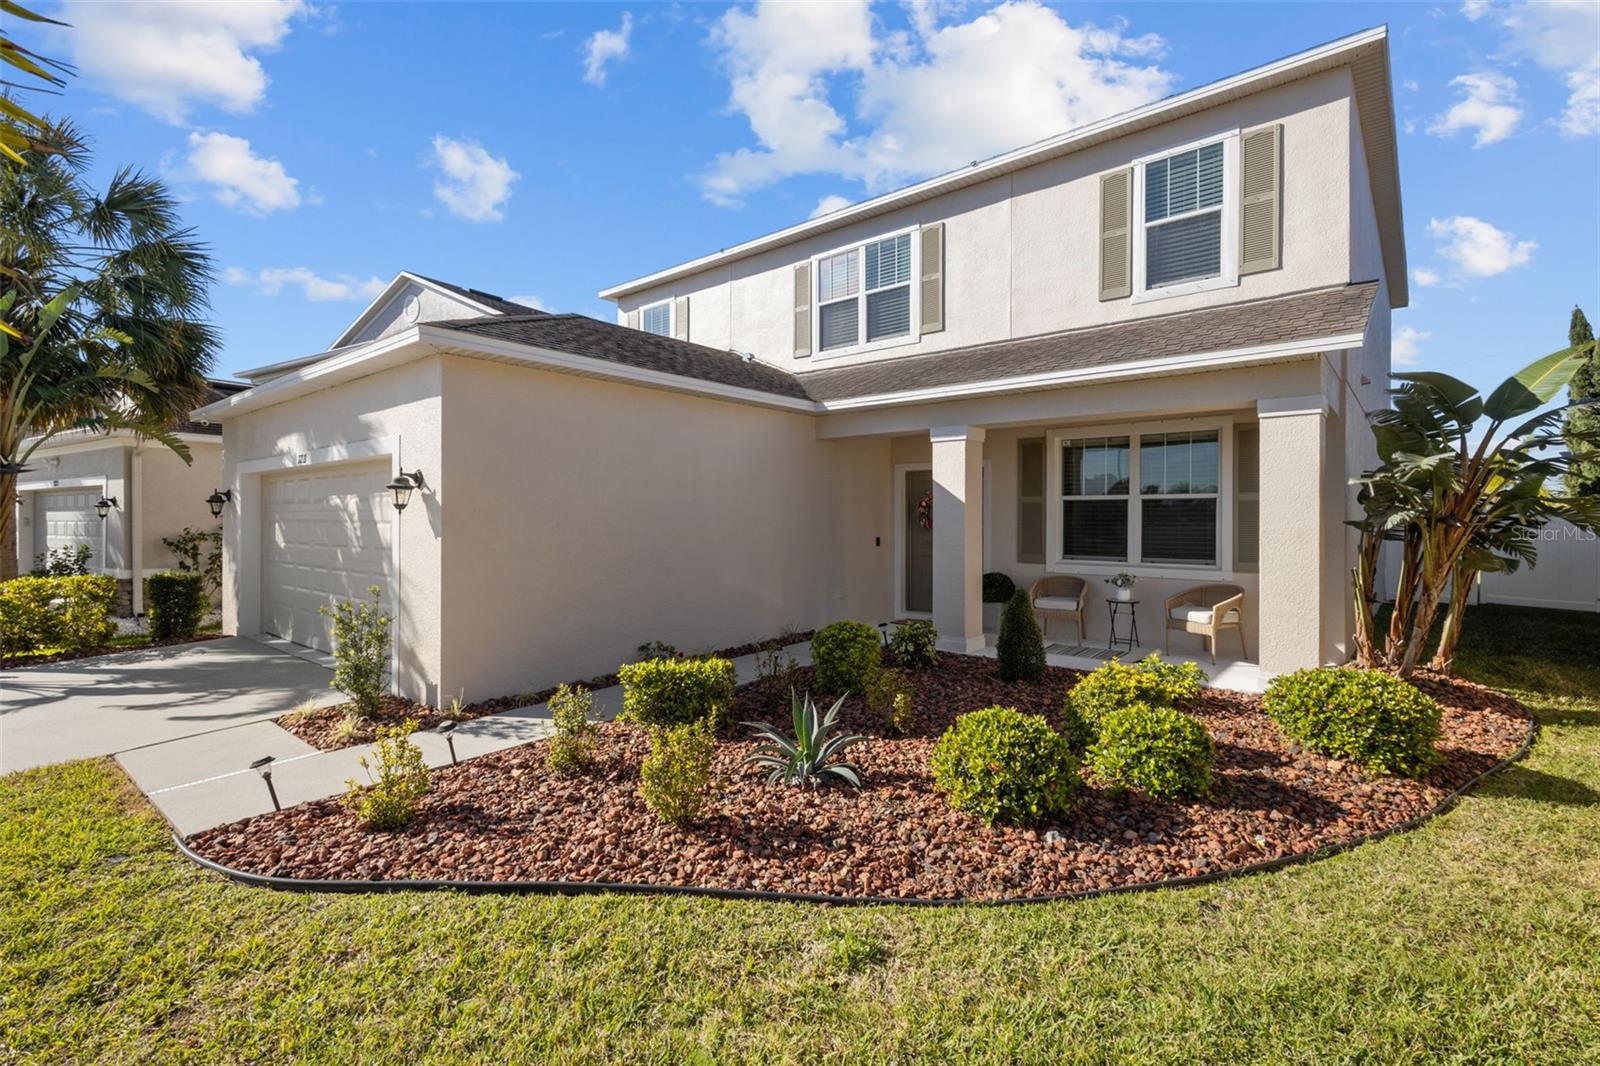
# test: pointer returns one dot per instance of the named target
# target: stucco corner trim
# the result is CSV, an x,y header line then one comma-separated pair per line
x,y
1287,406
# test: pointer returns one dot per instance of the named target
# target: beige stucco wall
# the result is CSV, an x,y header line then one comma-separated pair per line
x,y
1021,249
172,496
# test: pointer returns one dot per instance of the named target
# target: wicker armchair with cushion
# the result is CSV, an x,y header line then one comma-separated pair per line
x,y
1207,610
1059,596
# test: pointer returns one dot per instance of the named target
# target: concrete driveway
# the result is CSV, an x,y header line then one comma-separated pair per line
x,y
117,703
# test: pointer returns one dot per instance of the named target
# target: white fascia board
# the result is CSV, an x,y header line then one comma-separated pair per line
x,y
1016,159
339,366
88,440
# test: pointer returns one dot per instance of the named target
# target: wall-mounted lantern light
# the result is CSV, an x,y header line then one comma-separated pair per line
x,y
218,500
403,486
104,505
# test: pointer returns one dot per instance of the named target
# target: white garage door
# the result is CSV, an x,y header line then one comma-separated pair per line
x,y
325,537
66,519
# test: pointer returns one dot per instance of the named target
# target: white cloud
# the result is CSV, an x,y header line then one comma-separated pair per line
x,y
606,46
1425,277
1478,249
476,185
1489,106
239,177
829,204
530,300
1406,350
1410,85
1474,9
923,102
1563,36
170,57
270,281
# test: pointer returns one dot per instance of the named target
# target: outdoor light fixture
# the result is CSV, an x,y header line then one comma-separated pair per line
x,y
218,500
403,486
104,505
445,729
263,766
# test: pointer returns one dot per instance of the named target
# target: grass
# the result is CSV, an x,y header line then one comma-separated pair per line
x,y
1474,939
117,643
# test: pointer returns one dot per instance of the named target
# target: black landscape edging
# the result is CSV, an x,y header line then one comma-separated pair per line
x,y
581,888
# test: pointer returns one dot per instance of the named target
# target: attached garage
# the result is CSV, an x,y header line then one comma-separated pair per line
x,y
326,536
66,519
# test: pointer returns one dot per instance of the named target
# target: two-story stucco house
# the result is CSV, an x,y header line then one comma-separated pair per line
x,y
1144,345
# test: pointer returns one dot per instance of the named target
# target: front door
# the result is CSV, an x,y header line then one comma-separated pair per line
x,y
917,536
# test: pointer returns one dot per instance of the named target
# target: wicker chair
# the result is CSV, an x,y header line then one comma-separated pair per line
x,y
1207,610
1059,596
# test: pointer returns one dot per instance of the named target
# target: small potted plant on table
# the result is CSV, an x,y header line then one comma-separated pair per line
x,y
1123,582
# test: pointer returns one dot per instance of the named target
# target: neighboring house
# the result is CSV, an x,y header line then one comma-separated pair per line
x,y
149,492
1145,344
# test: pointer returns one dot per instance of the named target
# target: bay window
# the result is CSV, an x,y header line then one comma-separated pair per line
x,y
864,294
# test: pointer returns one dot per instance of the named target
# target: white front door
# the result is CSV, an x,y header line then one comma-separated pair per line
x,y
65,519
325,537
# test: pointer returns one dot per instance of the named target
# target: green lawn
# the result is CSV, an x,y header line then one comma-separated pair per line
x,y
1475,939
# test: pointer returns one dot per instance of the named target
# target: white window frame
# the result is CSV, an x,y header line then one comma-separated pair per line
x,y
1058,562
672,317
1229,277
862,344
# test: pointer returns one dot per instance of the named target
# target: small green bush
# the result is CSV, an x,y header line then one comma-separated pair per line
x,y
199,551
572,746
1021,644
1375,719
49,614
361,651
1150,681
176,601
1077,732
888,695
674,776
1005,766
390,799
845,655
1157,750
669,692
915,645
63,562
998,588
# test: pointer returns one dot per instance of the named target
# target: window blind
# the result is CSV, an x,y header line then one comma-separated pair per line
x,y
840,324
658,319
1187,249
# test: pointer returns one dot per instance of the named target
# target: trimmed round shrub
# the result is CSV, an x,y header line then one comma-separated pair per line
x,y
1078,733
1157,750
915,645
1150,681
669,692
1386,725
1020,646
50,614
998,588
846,656
1005,766
176,602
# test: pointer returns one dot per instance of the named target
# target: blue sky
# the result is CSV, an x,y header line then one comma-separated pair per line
x,y
547,150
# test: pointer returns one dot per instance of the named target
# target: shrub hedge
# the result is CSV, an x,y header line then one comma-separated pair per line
x,y
176,602
1150,682
669,692
47,614
846,656
915,645
1157,750
1005,766
1375,719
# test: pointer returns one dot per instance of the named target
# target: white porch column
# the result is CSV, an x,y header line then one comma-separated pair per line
x,y
958,536
1293,458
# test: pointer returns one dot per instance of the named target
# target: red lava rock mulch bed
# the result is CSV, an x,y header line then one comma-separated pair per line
x,y
505,817
103,649
321,727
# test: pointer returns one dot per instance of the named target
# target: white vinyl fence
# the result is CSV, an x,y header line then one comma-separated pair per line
x,y
1567,575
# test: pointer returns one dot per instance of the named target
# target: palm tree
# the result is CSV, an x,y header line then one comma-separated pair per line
x,y
105,294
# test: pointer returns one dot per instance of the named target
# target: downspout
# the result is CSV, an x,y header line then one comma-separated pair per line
x,y
135,514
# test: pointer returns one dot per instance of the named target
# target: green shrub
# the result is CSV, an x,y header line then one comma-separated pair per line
x,y
1150,682
198,552
998,588
674,776
889,694
915,645
48,614
1005,766
361,651
845,654
572,746
63,562
390,799
1156,750
176,601
1372,718
669,692
774,663
1021,644
1077,732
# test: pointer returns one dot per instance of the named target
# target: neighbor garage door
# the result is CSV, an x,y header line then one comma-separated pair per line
x,y
325,537
66,519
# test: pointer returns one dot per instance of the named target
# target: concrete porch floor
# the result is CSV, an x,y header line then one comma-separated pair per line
x,y
1231,672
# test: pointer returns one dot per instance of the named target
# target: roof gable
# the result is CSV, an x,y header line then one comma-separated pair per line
x,y
412,298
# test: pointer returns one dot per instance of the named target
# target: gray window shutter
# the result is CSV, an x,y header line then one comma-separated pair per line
x,y
802,309
1261,199
632,319
1247,498
1030,500
932,294
1116,235
680,318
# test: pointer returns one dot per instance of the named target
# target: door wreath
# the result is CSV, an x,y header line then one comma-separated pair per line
x,y
925,510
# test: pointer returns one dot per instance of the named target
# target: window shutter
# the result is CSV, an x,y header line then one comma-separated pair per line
x,y
802,310
1261,205
1116,235
932,294
632,319
1030,500
1247,498
680,316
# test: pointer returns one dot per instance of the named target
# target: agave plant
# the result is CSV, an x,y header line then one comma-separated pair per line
x,y
804,760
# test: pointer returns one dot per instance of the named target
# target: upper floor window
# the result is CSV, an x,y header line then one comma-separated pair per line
x,y
1186,220
864,294
657,319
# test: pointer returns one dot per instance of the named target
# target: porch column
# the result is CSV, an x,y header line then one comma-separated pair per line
x,y
958,537
1293,458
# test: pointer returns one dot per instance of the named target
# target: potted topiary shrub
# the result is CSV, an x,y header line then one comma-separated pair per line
x,y
997,592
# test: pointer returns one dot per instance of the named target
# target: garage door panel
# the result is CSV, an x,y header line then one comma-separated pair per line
x,y
327,537
66,519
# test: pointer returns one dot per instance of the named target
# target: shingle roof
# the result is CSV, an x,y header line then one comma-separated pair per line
x,y
487,299
1276,320
216,389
